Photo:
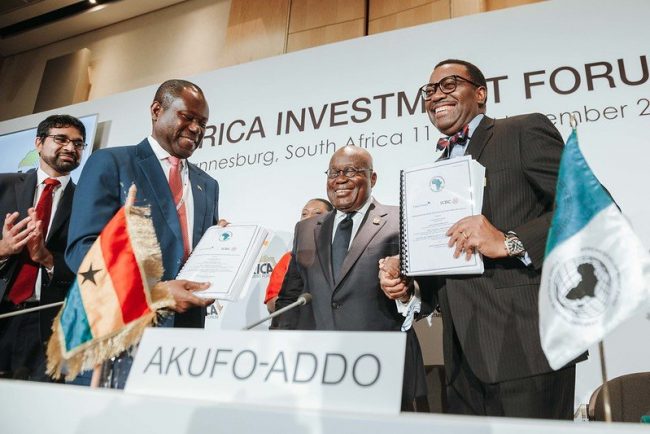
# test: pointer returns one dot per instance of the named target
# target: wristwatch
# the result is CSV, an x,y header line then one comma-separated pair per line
x,y
514,246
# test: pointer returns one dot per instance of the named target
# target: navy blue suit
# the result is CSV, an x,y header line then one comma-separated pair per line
x,y
103,188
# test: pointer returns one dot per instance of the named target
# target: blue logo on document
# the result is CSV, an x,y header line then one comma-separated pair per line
x,y
437,183
225,236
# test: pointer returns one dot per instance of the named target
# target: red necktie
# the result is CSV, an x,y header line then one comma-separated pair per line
x,y
176,186
23,287
460,138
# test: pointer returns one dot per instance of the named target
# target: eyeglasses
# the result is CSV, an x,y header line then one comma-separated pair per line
x,y
349,172
447,85
62,140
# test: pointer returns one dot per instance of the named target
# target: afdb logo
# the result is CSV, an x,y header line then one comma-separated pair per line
x,y
583,288
437,183
225,236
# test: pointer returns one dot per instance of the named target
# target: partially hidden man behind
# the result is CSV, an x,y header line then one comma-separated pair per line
x,y
183,199
36,209
335,257
493,358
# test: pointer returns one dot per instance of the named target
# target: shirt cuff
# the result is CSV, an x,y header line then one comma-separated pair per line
x,y
49,271
410,308
526,259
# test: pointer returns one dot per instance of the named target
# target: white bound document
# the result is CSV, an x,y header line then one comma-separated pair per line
x,y
432,198
225,257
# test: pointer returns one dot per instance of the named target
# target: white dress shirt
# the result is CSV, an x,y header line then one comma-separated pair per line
x,y
56,198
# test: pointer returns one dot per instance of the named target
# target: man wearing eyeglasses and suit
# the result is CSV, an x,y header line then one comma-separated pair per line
x,y
35,207
493,358
335,257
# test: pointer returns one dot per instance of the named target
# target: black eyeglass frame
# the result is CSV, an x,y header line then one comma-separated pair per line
x,y
433,87
63,140
348,172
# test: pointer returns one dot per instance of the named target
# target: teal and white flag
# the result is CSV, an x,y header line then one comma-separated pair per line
x,y
596,272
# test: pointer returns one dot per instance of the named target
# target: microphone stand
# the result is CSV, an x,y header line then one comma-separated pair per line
x,y
32,309
302,300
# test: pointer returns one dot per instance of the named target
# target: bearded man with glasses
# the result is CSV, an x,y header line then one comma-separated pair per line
x,y
35,207
494,362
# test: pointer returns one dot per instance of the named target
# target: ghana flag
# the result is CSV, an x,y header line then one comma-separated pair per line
x,y
114,296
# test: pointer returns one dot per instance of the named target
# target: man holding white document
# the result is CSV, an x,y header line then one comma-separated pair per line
x,y
493,359
183,199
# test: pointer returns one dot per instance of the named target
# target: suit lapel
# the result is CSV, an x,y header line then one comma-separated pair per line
x,y
480,138
158,187
25,192
323,237
374,220
199,187
62,210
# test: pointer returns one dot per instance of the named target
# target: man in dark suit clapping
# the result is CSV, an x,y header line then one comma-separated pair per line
x,y
36,209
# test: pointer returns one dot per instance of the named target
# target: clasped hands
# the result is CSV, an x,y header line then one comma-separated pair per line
x,y
26,233
394,285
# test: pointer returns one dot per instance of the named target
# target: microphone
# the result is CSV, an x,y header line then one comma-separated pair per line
x,y
303,299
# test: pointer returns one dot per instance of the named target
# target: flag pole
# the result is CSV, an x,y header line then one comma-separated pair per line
x,y
605,389
607,409
96,377
601,348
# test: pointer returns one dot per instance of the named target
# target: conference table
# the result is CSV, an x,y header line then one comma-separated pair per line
x,y
28,407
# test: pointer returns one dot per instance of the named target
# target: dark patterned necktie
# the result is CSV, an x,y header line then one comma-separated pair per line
x,y
460,138
341,243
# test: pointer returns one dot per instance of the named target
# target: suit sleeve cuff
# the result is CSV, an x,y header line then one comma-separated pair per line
x,y
410,308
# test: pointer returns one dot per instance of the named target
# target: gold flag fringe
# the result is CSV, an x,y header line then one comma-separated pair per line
x,y
98,350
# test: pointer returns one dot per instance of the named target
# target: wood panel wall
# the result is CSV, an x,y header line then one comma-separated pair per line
x,y
259,28
253,29
256,29
386,15
317,22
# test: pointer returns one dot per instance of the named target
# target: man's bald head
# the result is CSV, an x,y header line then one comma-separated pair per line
x,y
351,187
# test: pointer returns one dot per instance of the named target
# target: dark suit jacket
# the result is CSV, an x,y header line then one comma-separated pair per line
x,y
354,301
17,194
102,190
495,315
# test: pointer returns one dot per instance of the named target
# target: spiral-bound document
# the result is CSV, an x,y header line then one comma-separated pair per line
x,y
432,198
225,257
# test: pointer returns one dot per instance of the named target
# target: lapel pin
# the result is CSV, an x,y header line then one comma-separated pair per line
x,y
376,221
199,187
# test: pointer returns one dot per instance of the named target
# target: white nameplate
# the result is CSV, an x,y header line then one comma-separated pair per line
x,y
347,371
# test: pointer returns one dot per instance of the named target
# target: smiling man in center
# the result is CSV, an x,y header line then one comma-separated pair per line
x,y
335,258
